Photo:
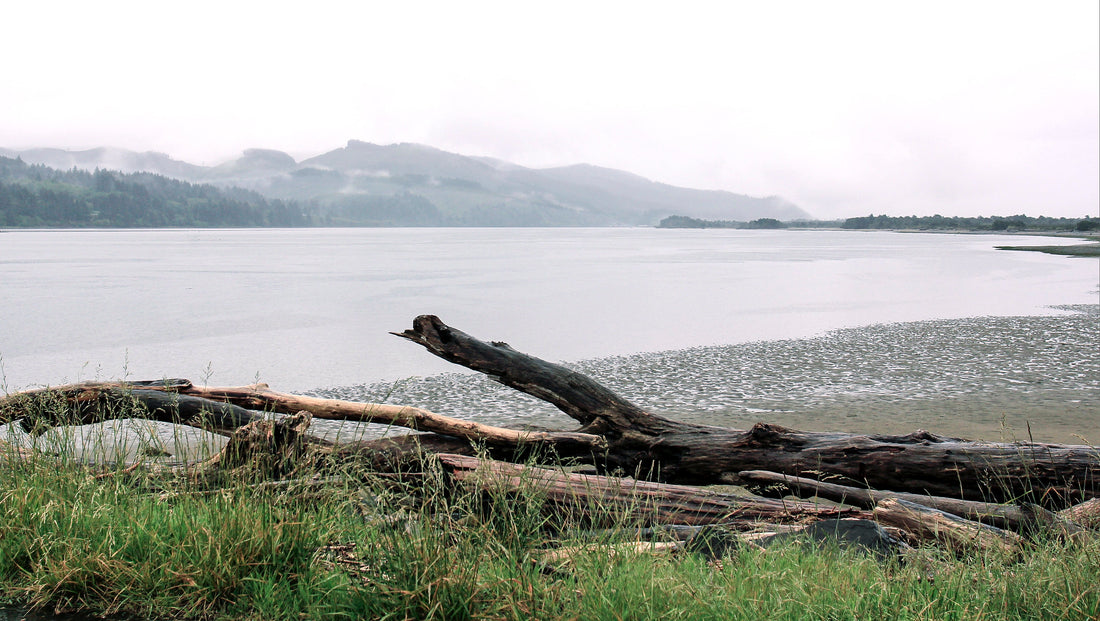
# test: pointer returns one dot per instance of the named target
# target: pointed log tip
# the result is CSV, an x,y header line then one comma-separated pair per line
x,y
424,326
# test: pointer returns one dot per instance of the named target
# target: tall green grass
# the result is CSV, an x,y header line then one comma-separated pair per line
x,y
358,546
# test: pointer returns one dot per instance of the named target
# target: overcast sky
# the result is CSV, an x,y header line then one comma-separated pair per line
x,y
845,108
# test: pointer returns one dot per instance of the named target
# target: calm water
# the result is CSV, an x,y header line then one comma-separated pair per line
x,y
309,309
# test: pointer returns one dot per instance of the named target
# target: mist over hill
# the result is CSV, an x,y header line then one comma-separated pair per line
x,y
364,184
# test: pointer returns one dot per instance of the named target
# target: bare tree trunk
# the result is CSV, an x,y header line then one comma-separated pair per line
x,y
638,441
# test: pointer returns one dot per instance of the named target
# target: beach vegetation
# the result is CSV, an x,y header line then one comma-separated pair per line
x,y
347,542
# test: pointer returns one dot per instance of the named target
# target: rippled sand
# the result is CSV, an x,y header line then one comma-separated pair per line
x,y
992,378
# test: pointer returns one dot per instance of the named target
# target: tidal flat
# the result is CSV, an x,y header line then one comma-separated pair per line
x,y
990,378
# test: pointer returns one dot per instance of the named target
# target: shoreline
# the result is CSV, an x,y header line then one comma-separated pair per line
x,y
1072,250
990,378
997,379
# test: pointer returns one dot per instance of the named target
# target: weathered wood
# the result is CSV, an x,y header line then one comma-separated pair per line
x,y
649,503
1026,518
1086,514
261,397
945,528
618,436
93,402
224,409
271,448
403,453
679,452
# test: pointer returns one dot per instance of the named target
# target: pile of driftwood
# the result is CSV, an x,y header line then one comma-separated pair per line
x,y
959,493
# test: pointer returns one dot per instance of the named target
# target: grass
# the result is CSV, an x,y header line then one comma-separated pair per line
x,y
354,545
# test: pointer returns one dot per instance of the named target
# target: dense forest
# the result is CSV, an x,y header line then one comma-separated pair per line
x,y
916,223
39,196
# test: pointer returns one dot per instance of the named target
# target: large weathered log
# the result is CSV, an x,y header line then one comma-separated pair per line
x,y
651,503
1024,518
638,441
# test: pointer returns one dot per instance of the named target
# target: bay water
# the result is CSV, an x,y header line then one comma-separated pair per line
x,y
721,326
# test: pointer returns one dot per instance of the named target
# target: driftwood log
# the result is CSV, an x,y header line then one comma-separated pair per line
x,y
1086,514
678,452
651,503
92,402
1022,518
619,437
949,530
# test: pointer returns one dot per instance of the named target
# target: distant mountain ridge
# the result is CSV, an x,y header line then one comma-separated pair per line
x,y
409,184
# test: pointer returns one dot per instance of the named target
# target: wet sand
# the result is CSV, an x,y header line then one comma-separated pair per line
x,y
990,378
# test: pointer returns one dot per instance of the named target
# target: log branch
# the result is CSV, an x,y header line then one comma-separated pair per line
x,y
261,397
579,396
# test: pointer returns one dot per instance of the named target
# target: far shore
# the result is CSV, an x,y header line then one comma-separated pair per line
x,y
1073,250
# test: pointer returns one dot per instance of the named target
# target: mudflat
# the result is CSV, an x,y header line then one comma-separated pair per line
x,y
991,378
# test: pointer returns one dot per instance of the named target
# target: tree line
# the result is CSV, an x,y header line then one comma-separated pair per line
x,y
979,223
920,223
686,222
36,196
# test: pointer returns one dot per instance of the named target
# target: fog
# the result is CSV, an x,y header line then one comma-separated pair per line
x,y
978,108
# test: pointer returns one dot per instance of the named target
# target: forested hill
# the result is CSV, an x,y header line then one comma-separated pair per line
x,y
38,196
364,184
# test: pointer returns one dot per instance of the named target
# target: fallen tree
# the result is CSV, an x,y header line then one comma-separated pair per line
x,y
678,452
619,437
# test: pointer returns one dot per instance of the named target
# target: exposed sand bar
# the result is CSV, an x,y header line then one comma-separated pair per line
x,y
1074,250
